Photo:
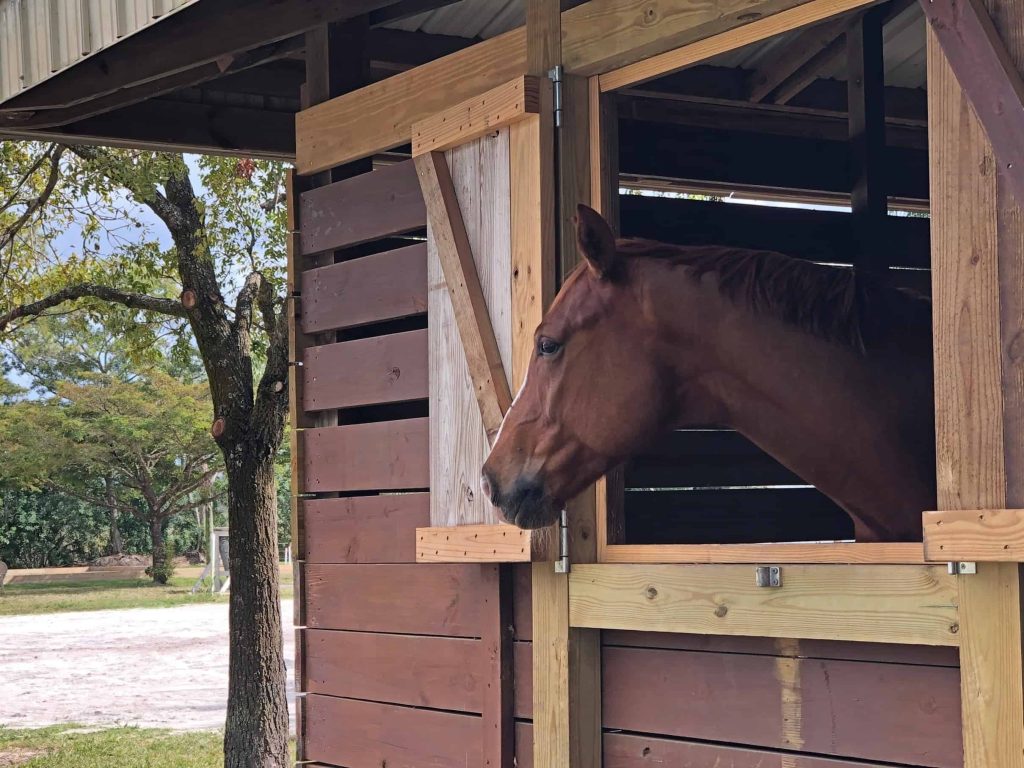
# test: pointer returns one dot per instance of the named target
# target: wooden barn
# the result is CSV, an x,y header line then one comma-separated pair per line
x,y
702,606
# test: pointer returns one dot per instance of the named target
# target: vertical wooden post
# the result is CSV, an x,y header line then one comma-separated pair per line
x,y
978,268
865,79
498,711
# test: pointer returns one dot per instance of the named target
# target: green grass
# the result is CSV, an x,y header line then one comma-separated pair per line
x,y
60,747
56,597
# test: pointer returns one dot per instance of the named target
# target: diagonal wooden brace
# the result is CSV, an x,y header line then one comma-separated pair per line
x,y
471,316
987,76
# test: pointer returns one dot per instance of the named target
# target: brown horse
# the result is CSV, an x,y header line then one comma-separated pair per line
x,y
830,375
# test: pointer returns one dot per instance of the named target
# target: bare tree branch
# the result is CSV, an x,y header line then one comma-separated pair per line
x,y
54,154
91,290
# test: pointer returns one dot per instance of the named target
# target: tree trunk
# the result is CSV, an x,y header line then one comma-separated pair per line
x,y
116,545
159,569
256,733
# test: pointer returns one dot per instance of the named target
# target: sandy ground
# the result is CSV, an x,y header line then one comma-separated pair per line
x,y
153,667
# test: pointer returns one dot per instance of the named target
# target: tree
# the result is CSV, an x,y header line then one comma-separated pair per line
x,y
227,240
139,447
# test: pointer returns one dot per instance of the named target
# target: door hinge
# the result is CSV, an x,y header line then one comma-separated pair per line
x,y
961,568
555,75
562,563
768,576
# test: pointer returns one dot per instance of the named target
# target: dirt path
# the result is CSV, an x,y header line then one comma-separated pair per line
x,y
154,667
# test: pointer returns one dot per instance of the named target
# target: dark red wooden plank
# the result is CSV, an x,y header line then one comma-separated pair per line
x,y
522,597
522,655
381,369
371,289
497,667
435,672
363,734
364,529
886,712
406,599
384,455
367,207
766,646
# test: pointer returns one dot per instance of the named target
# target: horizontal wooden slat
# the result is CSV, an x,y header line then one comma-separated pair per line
x,y
364,529
360,734
435,672
896,713
984,535
473,544
914,604
385,455
407,599
477,116
363,208
825,552
380,369
733,516
371,289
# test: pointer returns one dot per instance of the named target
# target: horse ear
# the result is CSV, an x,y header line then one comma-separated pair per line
x,y
595,241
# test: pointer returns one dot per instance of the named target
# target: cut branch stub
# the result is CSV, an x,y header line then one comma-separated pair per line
x,y
188,299
218,428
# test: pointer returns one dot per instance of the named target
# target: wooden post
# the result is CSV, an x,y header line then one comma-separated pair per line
x,y
978,268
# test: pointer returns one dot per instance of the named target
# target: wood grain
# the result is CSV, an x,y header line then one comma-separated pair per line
x,y
985,535
384,455
380,369
435,672
405,599
384,286
450,241
476,117
892,603
825,552
362,208
364,733
773,20
459,444
488,543
364,529
497,714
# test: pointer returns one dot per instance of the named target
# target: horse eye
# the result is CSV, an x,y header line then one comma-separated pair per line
x,y
547,347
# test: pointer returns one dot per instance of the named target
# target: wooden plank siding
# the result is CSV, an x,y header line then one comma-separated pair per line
x,y
386,455
364,529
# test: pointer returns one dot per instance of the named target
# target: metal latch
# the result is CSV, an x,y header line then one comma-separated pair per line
x,y
960,568
562,563
768,576
555,75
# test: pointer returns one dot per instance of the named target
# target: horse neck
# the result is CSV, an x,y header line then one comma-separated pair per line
x,y
859,428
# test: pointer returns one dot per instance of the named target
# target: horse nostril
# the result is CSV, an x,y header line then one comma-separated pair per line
x,y
485,486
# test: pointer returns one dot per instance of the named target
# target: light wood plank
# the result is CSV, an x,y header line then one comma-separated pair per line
x,y
473,544
449,236
544,38
459,444
981,535
828,552
478,116
914,604
727,40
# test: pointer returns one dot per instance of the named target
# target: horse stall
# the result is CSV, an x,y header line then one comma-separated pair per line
x,y
702,605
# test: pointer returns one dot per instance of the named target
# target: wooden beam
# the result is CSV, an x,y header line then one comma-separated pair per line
x,y
477,116
473,544
771,73
497,717
449,232
912,604
981,535
198,35
727,40
978,311
989,77
838,553
544,35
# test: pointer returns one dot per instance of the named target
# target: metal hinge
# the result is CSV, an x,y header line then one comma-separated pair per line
x,y
961,568
555,75
562,563
768,576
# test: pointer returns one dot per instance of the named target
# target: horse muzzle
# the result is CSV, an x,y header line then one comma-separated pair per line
x,y
524,504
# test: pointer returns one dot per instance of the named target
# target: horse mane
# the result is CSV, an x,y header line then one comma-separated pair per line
x,y
833,303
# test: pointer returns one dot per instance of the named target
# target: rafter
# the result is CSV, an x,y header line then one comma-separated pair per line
x,y
794,55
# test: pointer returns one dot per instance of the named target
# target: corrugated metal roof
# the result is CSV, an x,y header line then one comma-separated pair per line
x,y
469,18
39,38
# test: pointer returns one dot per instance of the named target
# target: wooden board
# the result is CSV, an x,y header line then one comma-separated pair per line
x,y
474,118
490,543
890,603
363,733
459,445
436,672
385,455
380,369
364,529
362,208
406,599
384,286
449,240
981,535
827,552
